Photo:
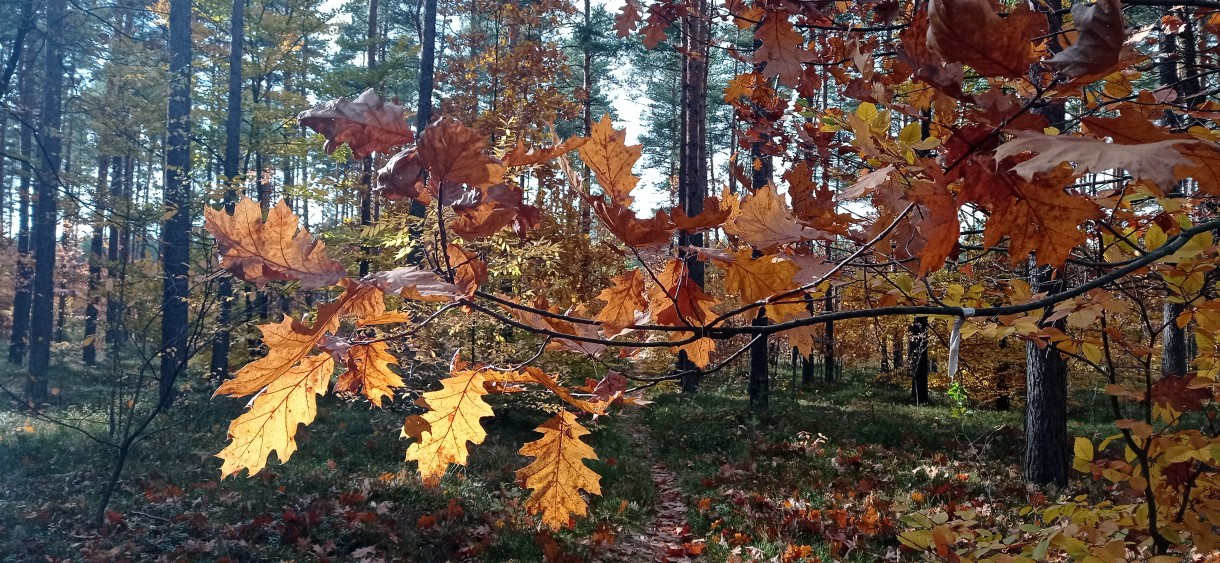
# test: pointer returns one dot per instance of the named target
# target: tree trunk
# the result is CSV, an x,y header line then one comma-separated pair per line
x,y
219,365
24,287
586,217
899,355
175,234
1046,441
829,364
693,161
115,276
760,376
917,347
45,212
366,177
89,352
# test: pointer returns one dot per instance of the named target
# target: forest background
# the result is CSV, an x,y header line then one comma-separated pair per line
x,y
432,208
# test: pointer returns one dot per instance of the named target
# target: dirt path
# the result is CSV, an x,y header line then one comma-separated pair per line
x,y
662,539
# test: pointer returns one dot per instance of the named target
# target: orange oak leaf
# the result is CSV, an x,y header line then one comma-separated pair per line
x,y
558,473
368,372
271,423
782,49
698,352
678,301
367,124
814,205
972,33
627,18
468,271
610,158
532,374
452,422
456,154
1036,216
1151,161
482,212
414,283
260,251
935,218
562,326
763,219
288,342
712,216
803,339
624,300
1099,39
633,231
522,156
756,279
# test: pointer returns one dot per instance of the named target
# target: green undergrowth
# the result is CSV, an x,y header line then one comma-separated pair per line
x,y
346,494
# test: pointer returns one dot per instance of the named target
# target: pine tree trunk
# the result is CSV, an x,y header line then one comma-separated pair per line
x,y
829,363
175,234
917,347
45,208
693,160
219,365
115,276
23,296
760,377
366,177
89,352
1046,441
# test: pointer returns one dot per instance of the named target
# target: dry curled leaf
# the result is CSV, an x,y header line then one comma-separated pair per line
x,y
367,124
972,33
1099,39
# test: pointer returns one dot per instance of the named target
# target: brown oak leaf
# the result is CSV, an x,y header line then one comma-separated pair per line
x,y
610,158
782,49
367,124
1099,40
260,251
456,154
972,33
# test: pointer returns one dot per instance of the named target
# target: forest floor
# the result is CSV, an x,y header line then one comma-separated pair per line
x,y
826,474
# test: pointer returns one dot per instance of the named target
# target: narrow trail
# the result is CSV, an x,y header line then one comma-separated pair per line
x,y
663,538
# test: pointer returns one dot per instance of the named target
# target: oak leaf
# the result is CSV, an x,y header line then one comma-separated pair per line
x,y
288,342
468,271
713,215
1099,39
756,279
699,352
935,218
558,473
259,251
413,283
1150,161
677,301
610,158
271,423
452,422
763,219
456,154
624,300
972,33
368,372
481,212
1038,217
367,124
522,156
536,375
655,231
403,177
781,49
627,18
